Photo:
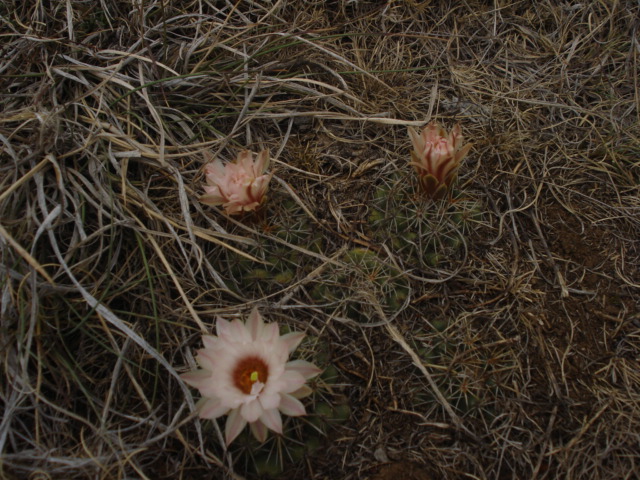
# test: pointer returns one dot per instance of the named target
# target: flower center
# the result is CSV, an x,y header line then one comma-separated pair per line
x,y
239,178
441,146
248,371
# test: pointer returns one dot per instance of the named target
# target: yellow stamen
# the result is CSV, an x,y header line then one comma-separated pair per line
x,y
254,376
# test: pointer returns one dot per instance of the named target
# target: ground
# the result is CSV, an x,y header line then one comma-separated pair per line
x,y
493,333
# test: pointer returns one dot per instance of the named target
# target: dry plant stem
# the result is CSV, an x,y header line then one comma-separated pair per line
x,y
24,254
290,291
105,313
399,339
563,285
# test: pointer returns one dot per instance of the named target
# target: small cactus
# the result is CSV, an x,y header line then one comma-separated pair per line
x,y
361,281
281,224
422,234
302,436
464,373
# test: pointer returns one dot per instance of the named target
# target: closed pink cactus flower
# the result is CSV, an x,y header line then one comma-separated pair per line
x,y
239,186
245,373
436,157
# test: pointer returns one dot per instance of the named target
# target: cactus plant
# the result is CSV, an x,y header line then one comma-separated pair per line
x,y
281,224
361,281
301,435
422,234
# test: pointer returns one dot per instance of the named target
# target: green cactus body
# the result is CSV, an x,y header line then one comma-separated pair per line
x,y
362,280
302,436
422,233
275,234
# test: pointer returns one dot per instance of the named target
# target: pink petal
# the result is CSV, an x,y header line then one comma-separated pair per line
x,y
250,206
239,331
212,199
235,424
262,162
463,152
222,328
304,368
232,332
214,170
433,160
431,132
232,207
272,419
204,359
456,136
291,406
292,340
226,392
258,188
251,411
255,324
211,408
416,140
446,169
245,161
259,430
212,190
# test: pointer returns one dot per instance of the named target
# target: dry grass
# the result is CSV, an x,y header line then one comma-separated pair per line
x,y
509,350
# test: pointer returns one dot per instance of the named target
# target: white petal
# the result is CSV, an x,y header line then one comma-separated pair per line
x,y
292,340
272,419
289,381
255,324
210,341
251,411
291,406
269,400
304,368
259,430
235,424
303,391
270,332
211,408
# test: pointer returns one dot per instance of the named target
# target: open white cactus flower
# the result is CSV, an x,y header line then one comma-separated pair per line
x,y
245,373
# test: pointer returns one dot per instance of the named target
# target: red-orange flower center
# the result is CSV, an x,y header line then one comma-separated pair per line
x,y
248,371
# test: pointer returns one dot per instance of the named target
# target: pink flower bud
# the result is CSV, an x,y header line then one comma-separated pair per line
x,y
239,186
436,157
